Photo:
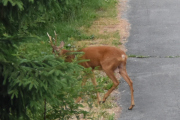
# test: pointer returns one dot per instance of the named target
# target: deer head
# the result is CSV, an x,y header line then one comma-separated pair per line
x,y
55,48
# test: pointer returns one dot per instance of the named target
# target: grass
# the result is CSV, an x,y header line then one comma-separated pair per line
x,y
72,29
138,56
104,32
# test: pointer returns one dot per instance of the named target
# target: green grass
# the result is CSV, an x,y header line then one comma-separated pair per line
x,y
90,12
69,31
138,56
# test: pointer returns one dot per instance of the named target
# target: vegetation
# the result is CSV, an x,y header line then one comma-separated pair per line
x,y
34,83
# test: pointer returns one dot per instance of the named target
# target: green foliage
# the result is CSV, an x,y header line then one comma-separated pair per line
x,y
30,75
105,82
35,79
31,17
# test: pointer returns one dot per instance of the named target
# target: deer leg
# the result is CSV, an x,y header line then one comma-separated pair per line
x,y
110,74
124,74
95,84
83,83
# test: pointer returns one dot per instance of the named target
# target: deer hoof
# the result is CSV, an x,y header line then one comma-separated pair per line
x,y
130,108
100,102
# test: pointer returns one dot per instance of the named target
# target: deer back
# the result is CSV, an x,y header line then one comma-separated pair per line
x,y
97,55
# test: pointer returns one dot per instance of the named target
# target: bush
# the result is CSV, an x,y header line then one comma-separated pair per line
x,y
26,83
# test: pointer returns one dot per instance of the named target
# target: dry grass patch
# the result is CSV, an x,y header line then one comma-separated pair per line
x,y
105,32
108,29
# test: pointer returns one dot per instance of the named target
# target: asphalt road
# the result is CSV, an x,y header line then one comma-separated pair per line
x,y
155,34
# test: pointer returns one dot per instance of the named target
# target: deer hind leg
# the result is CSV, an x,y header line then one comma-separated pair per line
x,y
124,74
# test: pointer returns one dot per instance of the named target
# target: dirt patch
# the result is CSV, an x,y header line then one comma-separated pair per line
x,y
124,25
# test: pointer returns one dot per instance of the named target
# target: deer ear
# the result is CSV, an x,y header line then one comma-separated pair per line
x,y
61,44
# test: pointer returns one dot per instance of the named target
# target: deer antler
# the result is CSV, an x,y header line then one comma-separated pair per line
x,y
50,40
55,38
55,48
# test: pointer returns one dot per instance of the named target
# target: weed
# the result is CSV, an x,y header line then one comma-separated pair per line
x,y
111,117
116,42
172,57
138,56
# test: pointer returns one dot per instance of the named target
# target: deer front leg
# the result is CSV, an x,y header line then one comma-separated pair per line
x,y
83,83
95,84
110,74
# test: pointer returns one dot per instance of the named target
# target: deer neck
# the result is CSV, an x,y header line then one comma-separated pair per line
x,y
67,54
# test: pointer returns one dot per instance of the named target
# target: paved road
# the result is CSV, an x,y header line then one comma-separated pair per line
x,y
155,32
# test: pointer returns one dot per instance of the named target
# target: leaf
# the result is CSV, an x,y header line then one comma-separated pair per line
x,y
51,72
57,72
20,5
5,2
13,93
31,1
67,2
30,86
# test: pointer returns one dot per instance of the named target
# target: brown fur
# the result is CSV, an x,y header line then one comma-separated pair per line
x,y
97,55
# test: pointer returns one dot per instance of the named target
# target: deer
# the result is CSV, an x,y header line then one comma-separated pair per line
x,y
106,58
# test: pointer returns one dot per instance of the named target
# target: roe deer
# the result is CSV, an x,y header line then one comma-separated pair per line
x,y
106,58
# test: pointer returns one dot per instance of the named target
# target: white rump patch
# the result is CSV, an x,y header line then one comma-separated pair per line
x,y
122,58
